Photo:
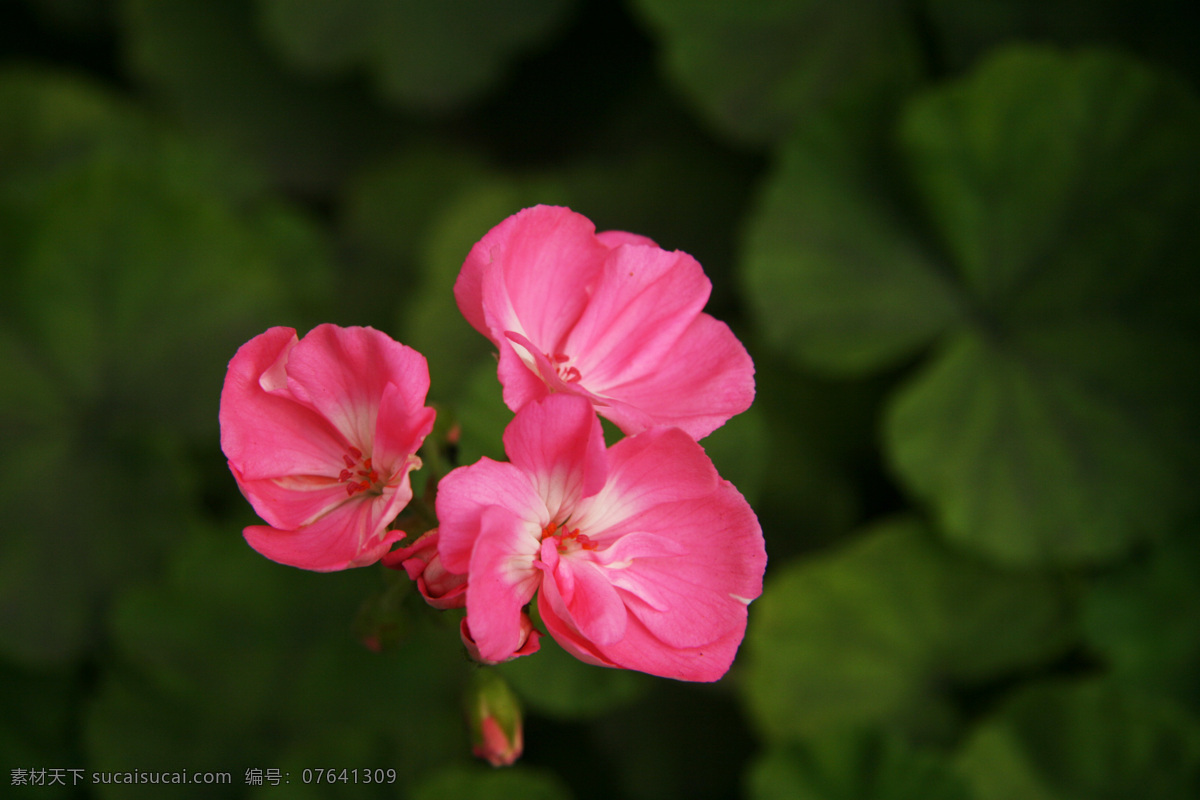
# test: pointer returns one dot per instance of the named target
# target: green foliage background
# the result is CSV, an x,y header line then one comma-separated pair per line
x,y
959,239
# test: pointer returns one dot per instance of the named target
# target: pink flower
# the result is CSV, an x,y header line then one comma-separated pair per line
x,y
320,435
610,317
441,589
645,558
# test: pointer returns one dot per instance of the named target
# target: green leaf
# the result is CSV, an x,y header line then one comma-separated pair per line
x,y
1049,431
1034,220
205,61
1023,463
1142,620
739,450
136,264
854,767
230,659
758,68
872,633
1083,740
832,265
964,31
426,56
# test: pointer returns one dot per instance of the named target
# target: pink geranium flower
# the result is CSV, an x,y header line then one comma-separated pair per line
x,y
610,317
320,434
644,557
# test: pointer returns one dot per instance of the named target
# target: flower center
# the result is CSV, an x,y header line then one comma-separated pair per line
x,y
359,475
566,374
568,540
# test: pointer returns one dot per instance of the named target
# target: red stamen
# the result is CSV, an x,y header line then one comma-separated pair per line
x,y
366,471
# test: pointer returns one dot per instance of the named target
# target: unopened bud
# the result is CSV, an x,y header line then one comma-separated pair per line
x,y
441,589
494,714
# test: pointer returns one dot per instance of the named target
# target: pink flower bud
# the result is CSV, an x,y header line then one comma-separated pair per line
x,y
494,714
440,588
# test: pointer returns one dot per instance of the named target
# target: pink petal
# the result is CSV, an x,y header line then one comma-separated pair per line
x,y
522,385
402,424
342,372
265,433
353,534
559,444
502,580
643,302
466,492
695,555
588,599
638,649
290,502
556,618
643,651
530,274
707,378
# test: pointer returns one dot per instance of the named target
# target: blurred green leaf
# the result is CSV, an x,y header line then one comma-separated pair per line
x,y
1083,741
388,207
739,450
233,660
483,416
1153,29
1142,620
136,264
874,632
831,265
1045,247
206,63
854,767
758,68
1026,462
1049,431
429,56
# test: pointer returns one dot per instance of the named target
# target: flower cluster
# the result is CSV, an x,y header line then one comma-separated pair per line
x,y
637,556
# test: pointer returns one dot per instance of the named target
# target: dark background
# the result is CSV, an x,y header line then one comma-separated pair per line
x,y
959,240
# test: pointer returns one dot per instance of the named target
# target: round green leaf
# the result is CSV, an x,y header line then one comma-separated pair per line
x,y
837,276
1024,463
1066,189
858,636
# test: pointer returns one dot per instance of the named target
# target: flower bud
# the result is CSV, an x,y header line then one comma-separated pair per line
x,y
494,715
441,589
